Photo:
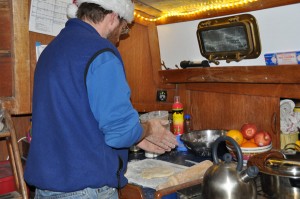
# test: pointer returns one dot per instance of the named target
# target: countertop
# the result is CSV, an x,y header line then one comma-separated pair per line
x,y
186,158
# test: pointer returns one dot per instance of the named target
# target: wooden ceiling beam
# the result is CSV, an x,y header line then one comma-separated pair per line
x,y
257,5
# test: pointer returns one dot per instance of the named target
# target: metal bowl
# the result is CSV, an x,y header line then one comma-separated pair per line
x,y
200,141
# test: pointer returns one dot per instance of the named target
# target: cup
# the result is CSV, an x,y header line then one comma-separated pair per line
x,y
162,115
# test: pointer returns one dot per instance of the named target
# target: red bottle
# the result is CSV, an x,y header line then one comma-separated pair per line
x,y
178,120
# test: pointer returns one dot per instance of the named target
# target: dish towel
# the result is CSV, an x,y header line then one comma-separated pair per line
x,y
289,123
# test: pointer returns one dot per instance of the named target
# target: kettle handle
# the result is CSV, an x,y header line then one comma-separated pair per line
x,y
236,146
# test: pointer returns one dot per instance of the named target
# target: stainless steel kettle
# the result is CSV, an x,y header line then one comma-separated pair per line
x,y
226,180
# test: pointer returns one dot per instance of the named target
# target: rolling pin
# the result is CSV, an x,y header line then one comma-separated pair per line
x,y
190,174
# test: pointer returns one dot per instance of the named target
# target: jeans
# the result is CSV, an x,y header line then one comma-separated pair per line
x,y
88,193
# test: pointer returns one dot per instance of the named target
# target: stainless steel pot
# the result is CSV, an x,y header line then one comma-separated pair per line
x,y
281,179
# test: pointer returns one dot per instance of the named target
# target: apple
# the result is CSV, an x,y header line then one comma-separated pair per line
x,y
262,138
248,130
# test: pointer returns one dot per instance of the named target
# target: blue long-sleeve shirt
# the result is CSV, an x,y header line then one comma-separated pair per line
x,y
117,119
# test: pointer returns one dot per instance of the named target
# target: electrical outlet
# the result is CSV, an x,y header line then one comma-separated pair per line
x,y
161,95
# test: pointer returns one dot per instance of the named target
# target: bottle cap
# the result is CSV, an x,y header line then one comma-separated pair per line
x,y
187,116
177,105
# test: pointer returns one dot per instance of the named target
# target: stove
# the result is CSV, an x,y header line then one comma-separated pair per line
x,y
194,192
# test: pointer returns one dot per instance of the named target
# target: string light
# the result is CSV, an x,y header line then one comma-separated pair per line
x,y
200,8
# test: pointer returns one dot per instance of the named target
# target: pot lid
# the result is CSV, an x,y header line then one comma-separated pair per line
x,y
275,163
283,167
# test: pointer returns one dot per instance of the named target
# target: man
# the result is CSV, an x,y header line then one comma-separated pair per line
x,y
82,119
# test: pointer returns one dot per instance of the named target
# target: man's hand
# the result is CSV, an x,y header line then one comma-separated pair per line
x,y
150,147
155,131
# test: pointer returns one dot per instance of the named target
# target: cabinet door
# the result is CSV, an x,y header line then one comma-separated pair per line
x,y
5,50
230,111
14,53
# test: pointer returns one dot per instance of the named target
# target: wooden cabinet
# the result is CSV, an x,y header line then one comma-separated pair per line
x,y
5,50
14,56
227,97
212,110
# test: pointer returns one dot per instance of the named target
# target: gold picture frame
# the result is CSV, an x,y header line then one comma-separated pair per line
x,y
231,38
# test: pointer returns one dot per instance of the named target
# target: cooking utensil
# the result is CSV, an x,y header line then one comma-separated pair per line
x,y
200,141
226,180
280,177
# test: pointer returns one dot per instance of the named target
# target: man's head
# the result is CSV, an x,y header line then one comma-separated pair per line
x,y
109,18
114,36
124,8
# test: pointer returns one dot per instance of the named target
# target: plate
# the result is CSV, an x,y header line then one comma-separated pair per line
x,y
252,149
257,149
248,152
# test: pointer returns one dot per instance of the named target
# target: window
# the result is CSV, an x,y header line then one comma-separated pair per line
x,y
231,38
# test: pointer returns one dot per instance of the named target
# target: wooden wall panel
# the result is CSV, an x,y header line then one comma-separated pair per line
x,y
33,38
140,53
135,53
211,110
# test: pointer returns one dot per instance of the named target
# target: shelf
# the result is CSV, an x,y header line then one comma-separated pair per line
x,y
284,74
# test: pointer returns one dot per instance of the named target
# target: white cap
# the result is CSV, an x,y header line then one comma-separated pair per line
x,y
124,8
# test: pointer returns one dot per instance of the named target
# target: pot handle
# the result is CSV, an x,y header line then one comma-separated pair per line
x,y
236,146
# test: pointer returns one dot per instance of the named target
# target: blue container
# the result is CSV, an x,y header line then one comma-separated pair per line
x,y
181,146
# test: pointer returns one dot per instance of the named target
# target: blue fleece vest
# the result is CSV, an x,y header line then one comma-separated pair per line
x,y
68,152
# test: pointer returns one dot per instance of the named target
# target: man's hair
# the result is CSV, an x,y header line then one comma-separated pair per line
x,y
92,11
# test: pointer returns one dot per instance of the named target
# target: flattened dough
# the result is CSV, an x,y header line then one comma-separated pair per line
x,y
157,172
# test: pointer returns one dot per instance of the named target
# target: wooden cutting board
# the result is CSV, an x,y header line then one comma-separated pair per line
x,y
193,173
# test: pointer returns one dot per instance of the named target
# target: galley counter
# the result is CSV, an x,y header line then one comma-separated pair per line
x,y
184,158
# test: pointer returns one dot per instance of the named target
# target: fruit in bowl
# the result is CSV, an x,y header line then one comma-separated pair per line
x,y
250,140
236,135
248,144
248,152
262,138
248,130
